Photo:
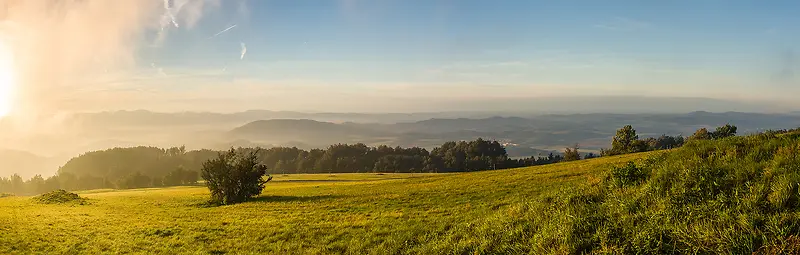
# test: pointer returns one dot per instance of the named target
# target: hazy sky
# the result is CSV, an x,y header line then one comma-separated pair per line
x,y
386,55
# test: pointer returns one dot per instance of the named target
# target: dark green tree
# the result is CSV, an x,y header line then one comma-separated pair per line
x,y
624,141
234,177
727,130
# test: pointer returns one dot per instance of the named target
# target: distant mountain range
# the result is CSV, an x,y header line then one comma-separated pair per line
x,y
524,134
26,164
450,109
546,132
148,118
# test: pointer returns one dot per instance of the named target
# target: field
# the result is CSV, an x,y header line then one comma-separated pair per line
x,y
325,213
737,195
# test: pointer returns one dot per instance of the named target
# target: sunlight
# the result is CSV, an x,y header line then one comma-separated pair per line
x,y
7,79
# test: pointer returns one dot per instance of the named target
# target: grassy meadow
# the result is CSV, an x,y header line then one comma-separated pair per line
x,y
307,213
738,195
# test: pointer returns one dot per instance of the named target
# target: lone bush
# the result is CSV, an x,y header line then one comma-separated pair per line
x,y
234,177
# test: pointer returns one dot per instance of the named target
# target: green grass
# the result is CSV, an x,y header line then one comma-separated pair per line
x,y
739,195
309,213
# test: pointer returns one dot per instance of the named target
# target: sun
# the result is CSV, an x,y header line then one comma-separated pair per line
x,y
7,79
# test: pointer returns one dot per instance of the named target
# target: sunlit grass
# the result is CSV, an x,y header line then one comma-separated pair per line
x,y
310,213
737,195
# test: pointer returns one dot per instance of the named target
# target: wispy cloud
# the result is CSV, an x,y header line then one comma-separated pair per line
x,y
623,24
244,51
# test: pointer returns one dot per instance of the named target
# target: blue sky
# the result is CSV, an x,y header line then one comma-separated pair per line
x,y
359,54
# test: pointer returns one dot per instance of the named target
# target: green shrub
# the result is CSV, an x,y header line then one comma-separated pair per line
x,y
627,175
234,177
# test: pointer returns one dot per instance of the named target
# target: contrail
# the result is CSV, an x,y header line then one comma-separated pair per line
x,y
244,50
223,31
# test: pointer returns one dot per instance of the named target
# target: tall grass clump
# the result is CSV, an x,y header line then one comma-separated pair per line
x,y
730,196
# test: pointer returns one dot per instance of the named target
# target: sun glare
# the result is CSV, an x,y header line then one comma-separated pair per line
x,y
7,79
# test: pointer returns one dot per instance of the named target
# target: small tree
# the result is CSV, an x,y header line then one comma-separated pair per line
x,y
701,134
724,131
571,154
625,141
234,177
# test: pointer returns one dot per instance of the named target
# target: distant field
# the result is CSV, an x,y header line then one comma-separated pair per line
x,y
308,213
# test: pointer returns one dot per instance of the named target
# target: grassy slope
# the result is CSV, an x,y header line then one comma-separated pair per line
x,y
393,213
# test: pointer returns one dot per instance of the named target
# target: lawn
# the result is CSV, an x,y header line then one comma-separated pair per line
x,y
478,212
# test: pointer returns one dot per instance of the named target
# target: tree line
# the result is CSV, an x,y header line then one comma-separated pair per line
x,y
140,167
627,141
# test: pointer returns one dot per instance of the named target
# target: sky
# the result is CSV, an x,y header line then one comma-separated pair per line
x,y
393,55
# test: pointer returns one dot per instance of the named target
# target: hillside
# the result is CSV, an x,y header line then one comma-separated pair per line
x,y
25,164
733,196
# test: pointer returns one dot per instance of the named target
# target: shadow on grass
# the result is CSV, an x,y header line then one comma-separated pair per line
x,y
271,199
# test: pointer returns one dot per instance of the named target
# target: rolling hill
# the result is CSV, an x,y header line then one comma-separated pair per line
x,y
297,214
308,131
25,164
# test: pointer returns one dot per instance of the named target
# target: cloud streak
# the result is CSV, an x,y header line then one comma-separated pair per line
x,y
244,51
623,24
